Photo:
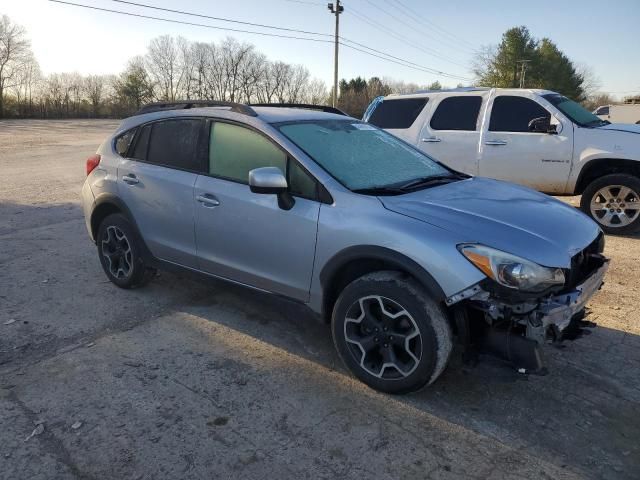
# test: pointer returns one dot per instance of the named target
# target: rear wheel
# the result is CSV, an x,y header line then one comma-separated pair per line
x,y
614,202
120,253
390,333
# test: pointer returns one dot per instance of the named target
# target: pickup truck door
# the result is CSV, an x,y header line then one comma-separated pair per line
x,y
509,151
452,133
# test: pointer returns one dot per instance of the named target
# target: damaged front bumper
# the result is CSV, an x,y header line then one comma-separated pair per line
x,y
514,327
554,314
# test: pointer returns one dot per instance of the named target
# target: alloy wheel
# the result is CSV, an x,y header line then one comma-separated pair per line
x,y
116,249
615,206
383,337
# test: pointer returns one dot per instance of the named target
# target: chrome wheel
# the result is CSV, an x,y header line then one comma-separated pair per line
x,y
615,206
383,337
117,252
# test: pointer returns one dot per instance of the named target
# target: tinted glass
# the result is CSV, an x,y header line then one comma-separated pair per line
x,y
174,143
513,114
234,151
360,155
457,113
142,142
602,111
576,112
124,141
300,182
397,113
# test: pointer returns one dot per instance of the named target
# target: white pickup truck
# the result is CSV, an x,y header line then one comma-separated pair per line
x,y
536,138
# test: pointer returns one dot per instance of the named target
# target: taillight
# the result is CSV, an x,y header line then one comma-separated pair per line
x,y
92,162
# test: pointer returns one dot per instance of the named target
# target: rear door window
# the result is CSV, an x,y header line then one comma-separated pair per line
x,y
513,114
397,113
174,143
142,143
457,113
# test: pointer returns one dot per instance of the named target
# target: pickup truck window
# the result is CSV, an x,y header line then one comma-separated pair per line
x,y
513,114
397,113
457,113
576,112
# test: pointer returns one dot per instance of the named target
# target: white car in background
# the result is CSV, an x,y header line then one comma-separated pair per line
x,y
624,113
536,138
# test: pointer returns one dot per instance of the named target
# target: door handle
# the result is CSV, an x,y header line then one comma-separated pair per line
x,y
208,200
431,140
495,142
131,179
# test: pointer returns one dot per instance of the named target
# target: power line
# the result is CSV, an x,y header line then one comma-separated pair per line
x,y
422,69
413,15
192,14
400,20
392,58
189,23
403,39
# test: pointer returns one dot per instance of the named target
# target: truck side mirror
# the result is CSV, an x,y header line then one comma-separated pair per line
x,y
542,125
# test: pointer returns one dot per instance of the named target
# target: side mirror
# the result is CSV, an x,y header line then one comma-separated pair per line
x,y
542,125
271,180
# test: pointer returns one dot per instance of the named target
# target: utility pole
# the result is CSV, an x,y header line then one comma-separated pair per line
x,y
523,71
337,10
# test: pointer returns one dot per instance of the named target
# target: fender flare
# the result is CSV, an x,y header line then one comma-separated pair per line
x,y
382,254
614,164
107,198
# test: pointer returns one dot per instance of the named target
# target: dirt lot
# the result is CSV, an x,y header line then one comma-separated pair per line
x,y
189,379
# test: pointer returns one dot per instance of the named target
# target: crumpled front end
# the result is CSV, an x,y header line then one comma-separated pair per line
x,y
513,326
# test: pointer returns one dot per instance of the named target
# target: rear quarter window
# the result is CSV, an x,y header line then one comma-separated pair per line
x,y
397,113
123,142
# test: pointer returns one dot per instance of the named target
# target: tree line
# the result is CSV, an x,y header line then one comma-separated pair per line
x,y
174,68
171,69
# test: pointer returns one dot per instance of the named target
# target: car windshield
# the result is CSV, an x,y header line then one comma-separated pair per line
x,y
361,156
576,112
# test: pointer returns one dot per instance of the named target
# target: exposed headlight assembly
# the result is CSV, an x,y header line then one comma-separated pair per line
x,y
511,271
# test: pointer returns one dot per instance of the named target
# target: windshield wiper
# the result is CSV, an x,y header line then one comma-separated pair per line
x,y
379,191
431,181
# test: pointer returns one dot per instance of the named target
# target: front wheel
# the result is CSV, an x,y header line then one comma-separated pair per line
x,y
390,333
614,202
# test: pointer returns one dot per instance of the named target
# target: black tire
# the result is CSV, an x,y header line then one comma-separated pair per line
x,y
384,293
613,216
125,268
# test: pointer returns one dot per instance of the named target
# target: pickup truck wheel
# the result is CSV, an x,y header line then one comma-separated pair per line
x,y
614,202
390,333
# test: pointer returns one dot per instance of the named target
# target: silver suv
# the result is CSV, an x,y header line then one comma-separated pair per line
x,y
401,253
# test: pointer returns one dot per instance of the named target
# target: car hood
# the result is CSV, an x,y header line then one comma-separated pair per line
x,y
622,127
502,215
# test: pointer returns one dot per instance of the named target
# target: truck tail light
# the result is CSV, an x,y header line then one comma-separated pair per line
x,y
92,162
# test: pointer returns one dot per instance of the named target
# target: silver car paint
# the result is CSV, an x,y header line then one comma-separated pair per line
x,y
424,226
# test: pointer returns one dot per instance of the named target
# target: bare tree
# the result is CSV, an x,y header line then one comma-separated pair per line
x,y
164,65
94,88
15,51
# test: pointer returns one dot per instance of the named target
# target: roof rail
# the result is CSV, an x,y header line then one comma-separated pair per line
x,y
187,104
306,106
445,90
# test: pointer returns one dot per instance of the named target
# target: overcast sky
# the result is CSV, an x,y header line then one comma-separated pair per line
x,y
603,35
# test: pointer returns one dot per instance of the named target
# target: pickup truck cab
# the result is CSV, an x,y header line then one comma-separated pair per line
x,y
537,138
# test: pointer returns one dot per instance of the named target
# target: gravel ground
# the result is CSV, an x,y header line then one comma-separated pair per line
x,y
199,379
